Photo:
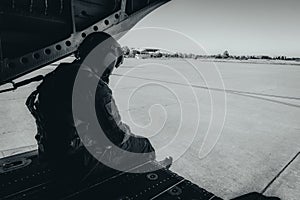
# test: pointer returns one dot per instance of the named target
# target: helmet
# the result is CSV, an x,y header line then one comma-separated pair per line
x,y
111,51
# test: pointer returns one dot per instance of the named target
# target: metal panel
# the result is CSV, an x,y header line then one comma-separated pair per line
x,y
48,34
41,181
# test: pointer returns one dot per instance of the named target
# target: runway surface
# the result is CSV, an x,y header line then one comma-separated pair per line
x,y
231,127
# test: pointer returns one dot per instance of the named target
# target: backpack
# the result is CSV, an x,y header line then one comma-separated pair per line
x,y
51,106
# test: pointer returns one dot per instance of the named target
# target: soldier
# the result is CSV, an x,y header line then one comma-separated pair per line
x,y
51,104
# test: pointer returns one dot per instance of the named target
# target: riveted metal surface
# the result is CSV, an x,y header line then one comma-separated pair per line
x,y
117,24
40,181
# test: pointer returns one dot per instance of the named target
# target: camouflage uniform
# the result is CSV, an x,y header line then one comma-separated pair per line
x,y
57,137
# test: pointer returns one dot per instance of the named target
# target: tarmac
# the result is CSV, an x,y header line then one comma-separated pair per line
x,y
232,128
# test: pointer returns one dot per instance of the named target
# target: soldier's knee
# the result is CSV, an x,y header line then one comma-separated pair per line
x,y
148,146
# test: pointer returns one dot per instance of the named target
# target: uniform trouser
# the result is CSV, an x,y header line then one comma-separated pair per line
x,y
84,164
134,144
138,145
141,148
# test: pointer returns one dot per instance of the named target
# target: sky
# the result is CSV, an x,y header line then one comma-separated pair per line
x,y
243,27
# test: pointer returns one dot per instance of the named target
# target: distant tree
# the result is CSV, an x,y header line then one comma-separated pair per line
x,y
243,58
226,54
192,56
199,56
219,56
176,55
180,55
266,57
253,57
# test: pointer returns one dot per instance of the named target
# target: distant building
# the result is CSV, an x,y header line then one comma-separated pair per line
x,y
147,53
264,57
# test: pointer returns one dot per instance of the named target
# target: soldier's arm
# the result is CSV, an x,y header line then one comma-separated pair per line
x,y
114,113
109,116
